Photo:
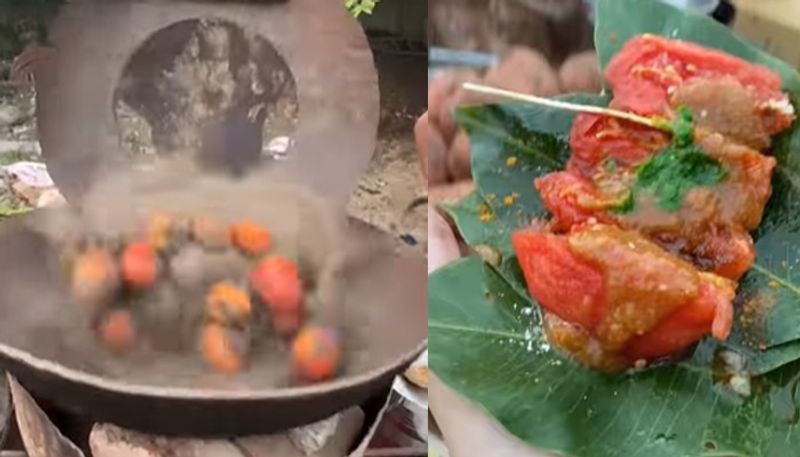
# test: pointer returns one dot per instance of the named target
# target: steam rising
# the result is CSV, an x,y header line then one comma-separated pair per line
x,y
304,227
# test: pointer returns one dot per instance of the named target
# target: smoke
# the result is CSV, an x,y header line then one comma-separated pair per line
x,y
330,251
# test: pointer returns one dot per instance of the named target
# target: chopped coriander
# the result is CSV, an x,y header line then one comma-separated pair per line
x,y
674,171
683,128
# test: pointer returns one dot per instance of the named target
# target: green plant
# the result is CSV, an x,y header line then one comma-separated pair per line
x,y
359,7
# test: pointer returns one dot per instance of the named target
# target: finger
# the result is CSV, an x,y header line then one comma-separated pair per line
x,y
469,431
459,157
432,151
450,193
457,97
442,245
580,73
527,71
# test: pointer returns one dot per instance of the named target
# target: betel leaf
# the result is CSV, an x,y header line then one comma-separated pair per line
x,y
555,405
512,144
480,228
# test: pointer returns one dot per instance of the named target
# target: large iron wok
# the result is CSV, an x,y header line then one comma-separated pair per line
x,y
337,94
38,352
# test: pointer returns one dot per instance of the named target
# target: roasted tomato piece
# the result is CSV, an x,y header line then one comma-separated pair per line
x,y
727,253
559,280
572,200
601,141
621,289
711,226
691,232
743,195
648,69
711,309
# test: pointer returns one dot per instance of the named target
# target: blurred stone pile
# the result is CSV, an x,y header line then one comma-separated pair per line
x,y
554,28
544,48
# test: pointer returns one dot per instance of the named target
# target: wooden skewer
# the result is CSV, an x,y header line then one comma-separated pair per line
x,y
656,123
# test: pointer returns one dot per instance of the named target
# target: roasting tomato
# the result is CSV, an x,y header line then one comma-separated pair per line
x,y
316,354
118,331
228,305
223,349
95,276
277,282
250,238
139,265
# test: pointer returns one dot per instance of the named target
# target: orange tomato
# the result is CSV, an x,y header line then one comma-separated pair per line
x,y
139,265
316,354
250,238
94,276
219,351
277,282
226,305
118,332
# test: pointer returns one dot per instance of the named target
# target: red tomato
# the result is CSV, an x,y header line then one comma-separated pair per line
x,y
711,312
647,67
118,331
139,265
277,282
561,282
595,139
